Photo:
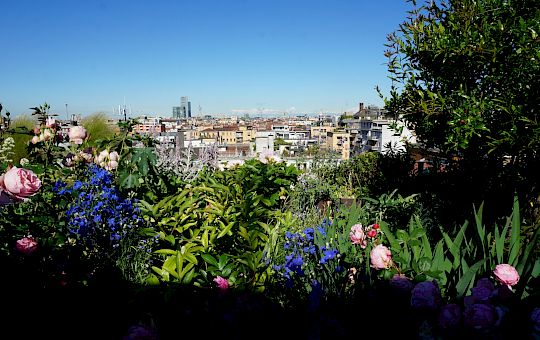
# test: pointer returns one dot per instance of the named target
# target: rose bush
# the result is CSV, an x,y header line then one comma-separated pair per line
x,y
381,257
27,245
506,274
77,134
20,183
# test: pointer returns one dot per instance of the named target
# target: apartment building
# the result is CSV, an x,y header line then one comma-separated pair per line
x,y
339,141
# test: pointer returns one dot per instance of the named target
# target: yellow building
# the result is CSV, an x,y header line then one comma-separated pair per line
x,y
339,141
320,132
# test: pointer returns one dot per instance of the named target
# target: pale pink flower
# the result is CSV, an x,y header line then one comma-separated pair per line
x,y
268,156
27,245
47,134
221,282
20,183
506,274
77,134
113,156
357,235
35,140
50,123
381,257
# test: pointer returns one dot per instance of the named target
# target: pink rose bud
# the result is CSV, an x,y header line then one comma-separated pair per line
x,y
372,233
26,245
381,257
35,140
376,226
113,156
47,134
221,282
357,235
506,274
77,134
20,183
37,130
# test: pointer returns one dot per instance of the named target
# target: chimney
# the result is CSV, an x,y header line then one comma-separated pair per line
x,y
361,105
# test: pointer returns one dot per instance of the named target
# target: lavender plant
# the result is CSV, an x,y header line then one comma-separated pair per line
x,y
184,164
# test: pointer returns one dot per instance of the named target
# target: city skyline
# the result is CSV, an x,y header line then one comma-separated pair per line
x,y
228,57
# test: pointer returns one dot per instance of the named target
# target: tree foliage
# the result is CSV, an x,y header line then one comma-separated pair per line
x,y
469,71
466,76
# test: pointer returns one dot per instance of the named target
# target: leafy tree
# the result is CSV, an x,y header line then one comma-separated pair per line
x,y
466,78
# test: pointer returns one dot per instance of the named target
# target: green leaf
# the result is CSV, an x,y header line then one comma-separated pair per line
x,y
467,279
424,264
226,230
165,251
210,259
515,237
402,235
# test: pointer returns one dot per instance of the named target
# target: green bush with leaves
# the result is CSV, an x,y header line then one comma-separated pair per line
x,y
223,221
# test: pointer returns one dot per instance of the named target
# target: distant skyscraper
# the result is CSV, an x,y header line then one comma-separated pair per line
x,y
177,112
185,107
184,110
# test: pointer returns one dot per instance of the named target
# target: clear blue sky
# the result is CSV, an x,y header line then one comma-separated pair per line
x,y
226,55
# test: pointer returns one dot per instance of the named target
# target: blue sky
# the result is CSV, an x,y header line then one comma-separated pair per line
x,y
258,56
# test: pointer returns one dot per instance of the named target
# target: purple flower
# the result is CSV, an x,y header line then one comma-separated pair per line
x,y
450,316
480,316
401,284
535,318
426,295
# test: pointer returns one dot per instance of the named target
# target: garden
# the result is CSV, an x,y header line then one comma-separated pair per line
x,y
109,234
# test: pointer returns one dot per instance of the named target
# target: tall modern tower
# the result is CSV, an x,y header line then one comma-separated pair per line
x,y
185,107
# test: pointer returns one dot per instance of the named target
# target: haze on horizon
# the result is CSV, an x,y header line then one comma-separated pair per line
x,y
228,57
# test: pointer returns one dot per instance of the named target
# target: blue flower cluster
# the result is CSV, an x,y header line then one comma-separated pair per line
x,y
97,213
307,255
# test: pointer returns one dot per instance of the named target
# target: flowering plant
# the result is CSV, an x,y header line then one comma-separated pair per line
x,y
101,223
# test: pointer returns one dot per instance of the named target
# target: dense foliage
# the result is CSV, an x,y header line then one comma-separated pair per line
x,y
465,79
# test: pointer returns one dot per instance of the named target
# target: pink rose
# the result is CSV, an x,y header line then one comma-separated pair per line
x,y
357,235
221,282
35,140
20,183
506,274
381,257
77,134
27,245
